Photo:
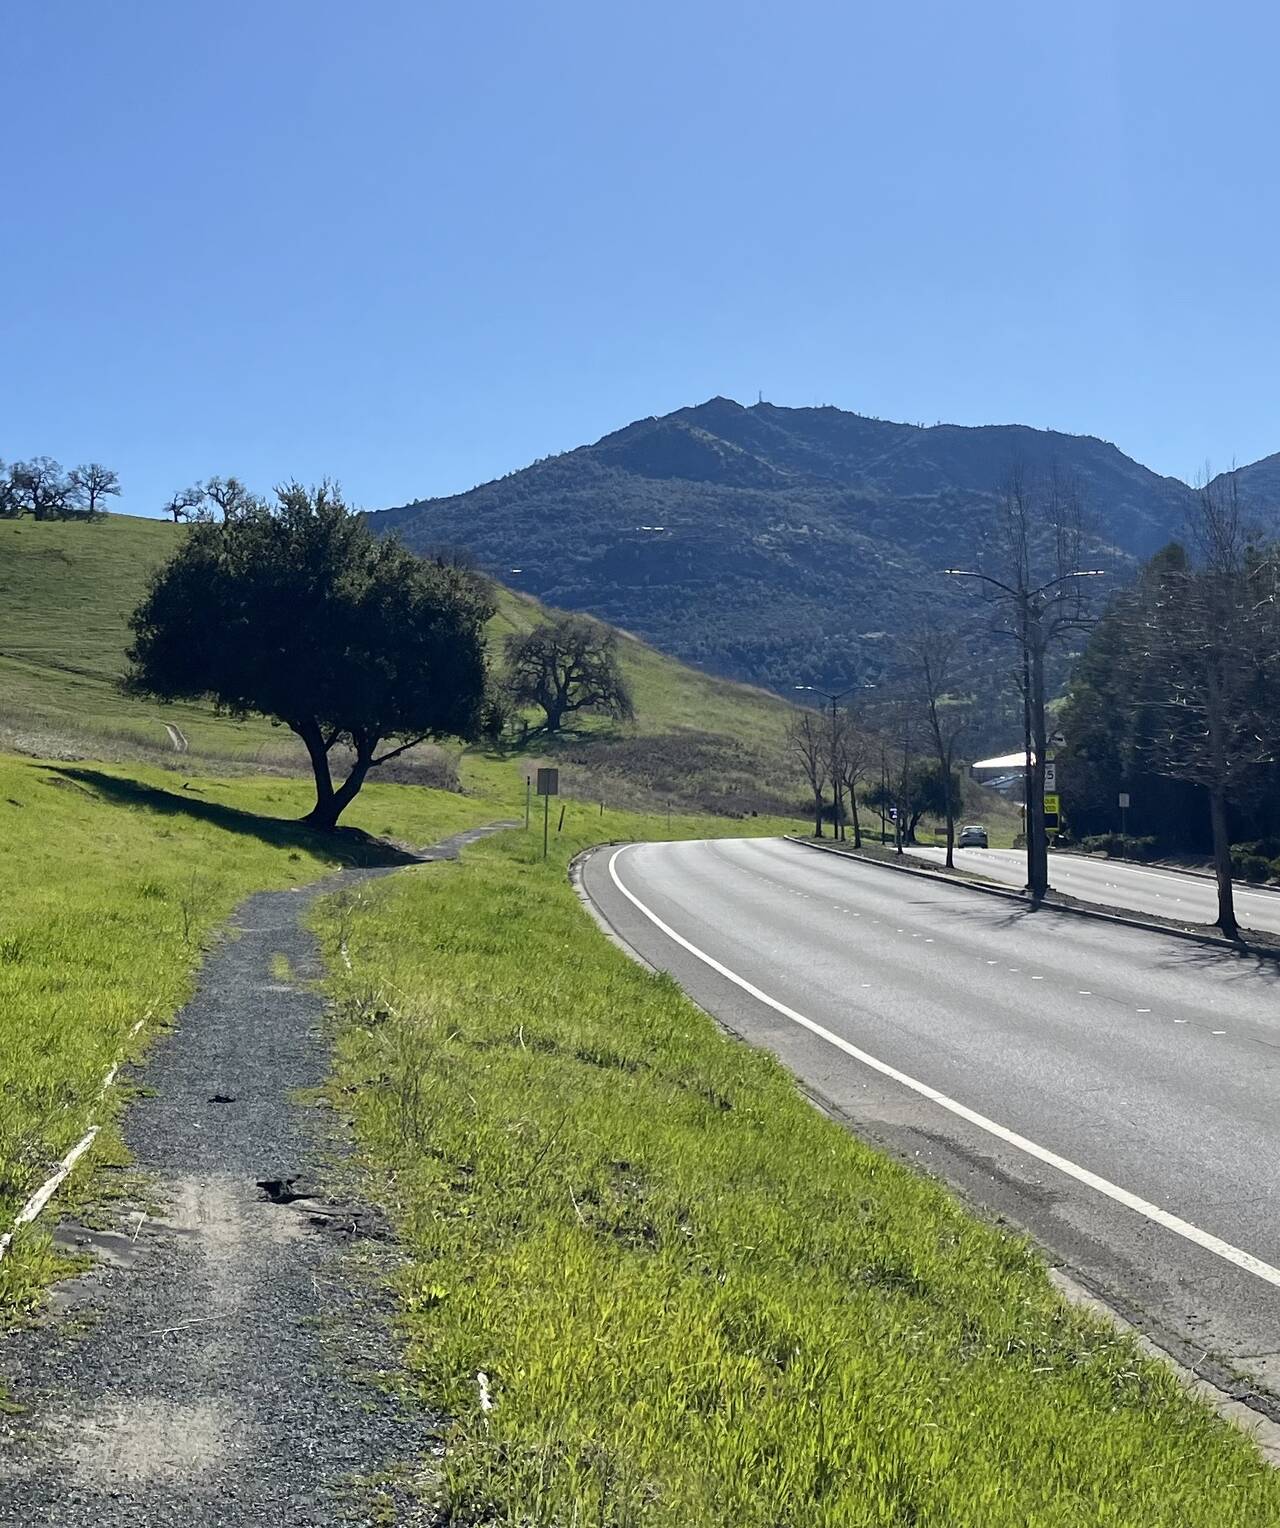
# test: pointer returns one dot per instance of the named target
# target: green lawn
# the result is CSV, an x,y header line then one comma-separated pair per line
x,y
693,1300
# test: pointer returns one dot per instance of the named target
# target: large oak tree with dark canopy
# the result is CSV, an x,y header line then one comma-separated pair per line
x,y
296,612
567,665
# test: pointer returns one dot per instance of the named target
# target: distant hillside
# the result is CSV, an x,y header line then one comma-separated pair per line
x,y
1259,485
66,592
775,545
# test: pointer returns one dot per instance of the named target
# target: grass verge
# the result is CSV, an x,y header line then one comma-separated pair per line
x,y
111,883
648,1285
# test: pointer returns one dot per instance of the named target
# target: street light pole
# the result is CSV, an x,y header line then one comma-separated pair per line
x,y
1032,639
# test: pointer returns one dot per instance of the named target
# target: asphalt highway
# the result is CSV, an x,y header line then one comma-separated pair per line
x,y
1140,888
1113,1091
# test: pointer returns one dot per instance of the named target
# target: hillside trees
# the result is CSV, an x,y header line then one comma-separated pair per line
x,y
216,498
567,665
41,488
297,613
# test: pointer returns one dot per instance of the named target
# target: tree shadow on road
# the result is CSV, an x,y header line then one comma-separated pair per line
x,y
1239,962
347,846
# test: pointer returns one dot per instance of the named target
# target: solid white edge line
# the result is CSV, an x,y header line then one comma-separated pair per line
x,y
52,1184
1122,1196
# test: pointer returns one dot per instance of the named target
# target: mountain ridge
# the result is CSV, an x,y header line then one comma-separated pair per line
x,y
778,545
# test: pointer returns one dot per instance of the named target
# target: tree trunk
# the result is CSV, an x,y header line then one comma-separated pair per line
x,y
853,812
1222,864
817,814
321,815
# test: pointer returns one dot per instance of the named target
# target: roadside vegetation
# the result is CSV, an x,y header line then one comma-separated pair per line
x,y
112,882
647,1283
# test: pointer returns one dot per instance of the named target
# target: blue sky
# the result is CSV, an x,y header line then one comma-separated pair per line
x,y
415,246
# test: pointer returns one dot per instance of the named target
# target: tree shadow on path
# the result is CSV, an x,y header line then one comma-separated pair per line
x,y
346,846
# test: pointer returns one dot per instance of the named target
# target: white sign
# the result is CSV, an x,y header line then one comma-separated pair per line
x,y
1050,776
1124,800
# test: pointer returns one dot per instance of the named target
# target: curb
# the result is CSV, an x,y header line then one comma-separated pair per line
x,y
1211,941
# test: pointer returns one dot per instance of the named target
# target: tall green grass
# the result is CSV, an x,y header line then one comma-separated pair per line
x,y
689,1299
111,884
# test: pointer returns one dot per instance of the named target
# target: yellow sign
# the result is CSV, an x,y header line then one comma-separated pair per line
x,y
1051,803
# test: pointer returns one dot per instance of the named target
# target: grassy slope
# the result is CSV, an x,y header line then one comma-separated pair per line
x,y
696,1302
66,591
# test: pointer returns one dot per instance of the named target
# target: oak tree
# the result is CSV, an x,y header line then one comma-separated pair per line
x,y
299,614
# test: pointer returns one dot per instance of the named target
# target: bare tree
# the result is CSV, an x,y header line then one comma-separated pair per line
x,y
934,655
90,484
230,497
852,756
40,488
181,504
10,502
1203,634
1033,578
808,743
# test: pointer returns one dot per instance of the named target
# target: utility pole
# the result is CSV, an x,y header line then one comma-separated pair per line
x,y
1029,605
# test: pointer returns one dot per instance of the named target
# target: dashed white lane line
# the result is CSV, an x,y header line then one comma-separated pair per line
x,y
1152,1212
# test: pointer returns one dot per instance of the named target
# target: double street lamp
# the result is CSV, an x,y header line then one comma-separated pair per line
x,y
1030,605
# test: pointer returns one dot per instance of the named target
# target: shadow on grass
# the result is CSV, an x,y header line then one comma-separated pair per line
x,y
348,846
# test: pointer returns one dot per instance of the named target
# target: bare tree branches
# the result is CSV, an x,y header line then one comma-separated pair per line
x,y
807,743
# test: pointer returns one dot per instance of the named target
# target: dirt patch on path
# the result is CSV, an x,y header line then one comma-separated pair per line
x,y
221,1361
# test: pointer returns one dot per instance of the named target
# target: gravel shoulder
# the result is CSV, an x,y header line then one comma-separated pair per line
x,y
225,1359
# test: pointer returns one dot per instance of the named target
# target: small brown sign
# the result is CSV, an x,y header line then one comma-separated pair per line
x,y
548,782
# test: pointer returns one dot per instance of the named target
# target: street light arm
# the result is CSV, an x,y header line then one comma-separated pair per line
x,y
986,578
1064,577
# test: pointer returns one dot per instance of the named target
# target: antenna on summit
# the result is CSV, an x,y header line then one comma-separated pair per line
x,y
760,395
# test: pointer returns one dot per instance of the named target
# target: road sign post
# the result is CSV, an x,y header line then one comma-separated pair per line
x,y
1124,815
548,786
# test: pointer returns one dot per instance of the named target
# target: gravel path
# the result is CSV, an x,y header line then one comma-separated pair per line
x,y
218,1363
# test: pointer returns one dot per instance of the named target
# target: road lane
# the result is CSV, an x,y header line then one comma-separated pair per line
x,y
1150,1062
1140,888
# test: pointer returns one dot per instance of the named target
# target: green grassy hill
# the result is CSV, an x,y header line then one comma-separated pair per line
x,y
66,591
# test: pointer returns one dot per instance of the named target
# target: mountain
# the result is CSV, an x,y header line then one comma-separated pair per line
x,y
780,546
1259,485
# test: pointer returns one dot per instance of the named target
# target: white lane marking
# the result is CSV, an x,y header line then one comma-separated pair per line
x,y
1203,1239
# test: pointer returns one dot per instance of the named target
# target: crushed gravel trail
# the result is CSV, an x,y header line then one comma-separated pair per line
x,y
219,1363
